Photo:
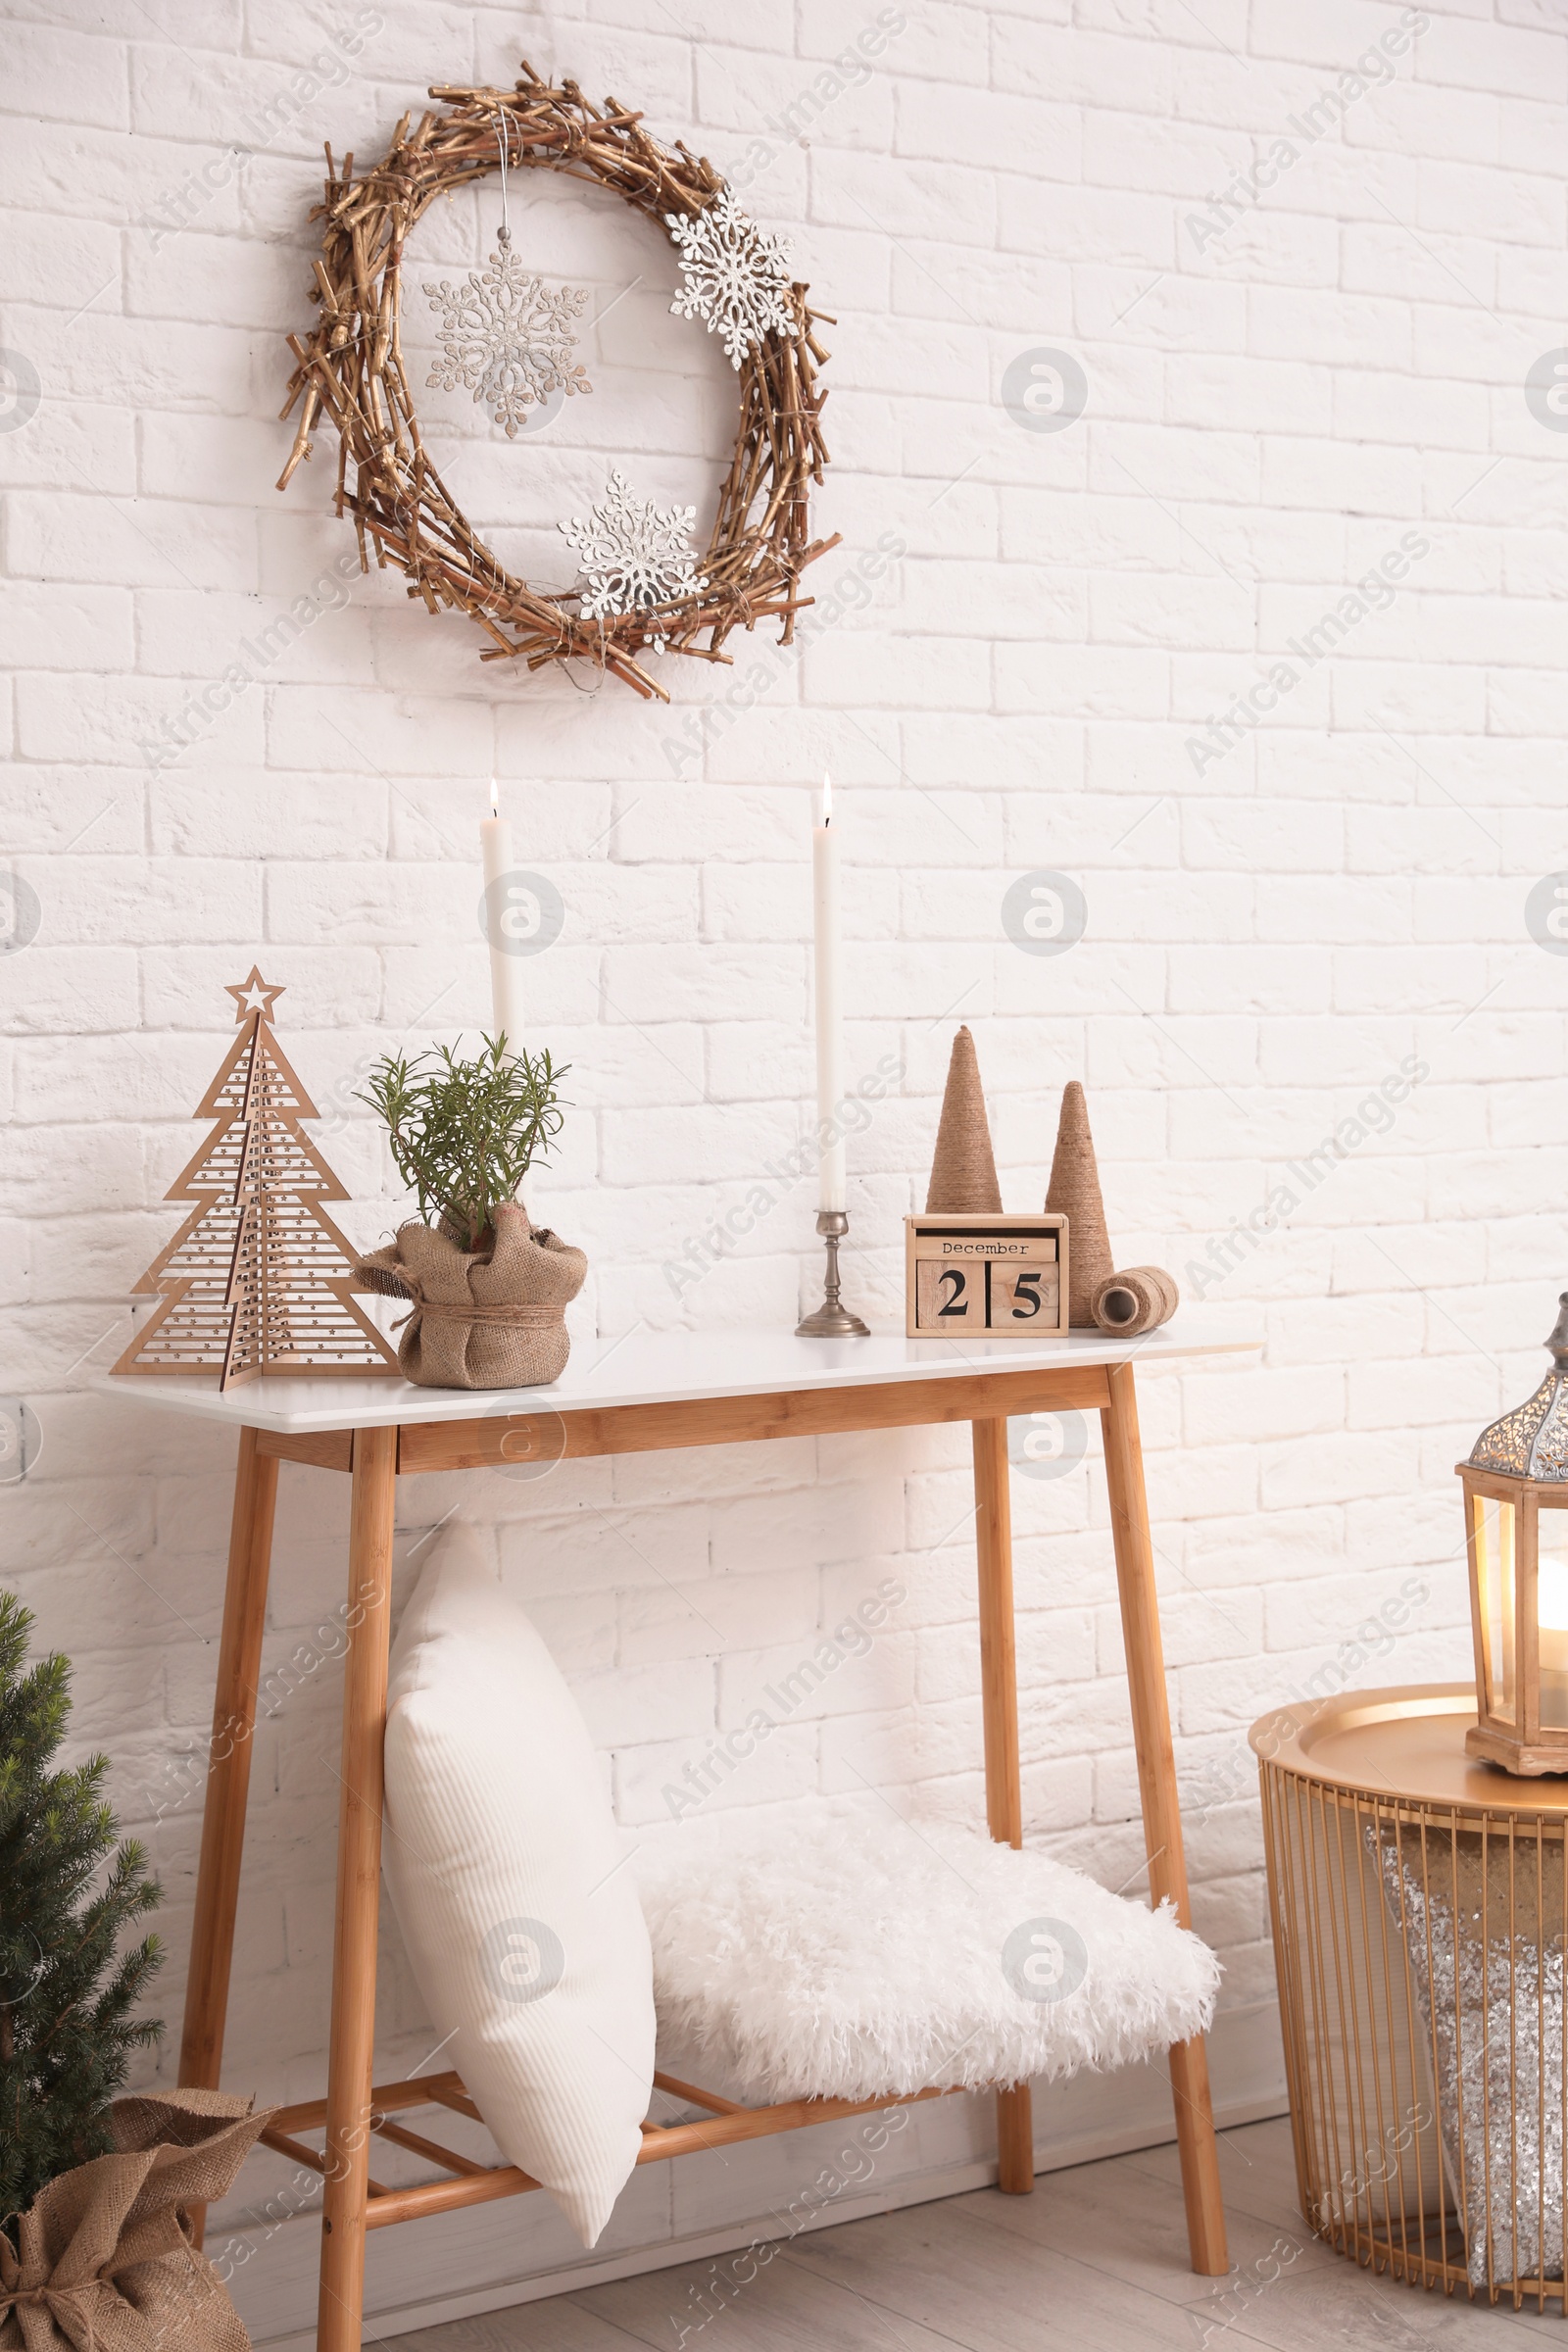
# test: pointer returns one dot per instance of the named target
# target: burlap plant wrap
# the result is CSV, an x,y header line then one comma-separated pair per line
x,y
481,1319
102,2260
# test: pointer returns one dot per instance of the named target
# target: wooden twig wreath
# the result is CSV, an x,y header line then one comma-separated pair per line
x,y
351,366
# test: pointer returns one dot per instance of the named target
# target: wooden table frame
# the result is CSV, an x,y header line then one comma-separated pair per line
x,y
352,2109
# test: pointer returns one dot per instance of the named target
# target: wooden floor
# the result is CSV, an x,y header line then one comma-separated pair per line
x,y
1095,2260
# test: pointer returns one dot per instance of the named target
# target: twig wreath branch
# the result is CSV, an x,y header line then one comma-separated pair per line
x,y
351,367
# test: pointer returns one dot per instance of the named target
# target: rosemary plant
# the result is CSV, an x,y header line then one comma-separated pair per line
x,y
465,1134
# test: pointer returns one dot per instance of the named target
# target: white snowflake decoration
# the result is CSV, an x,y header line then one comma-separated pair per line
x,y
736,274
507,339
634,554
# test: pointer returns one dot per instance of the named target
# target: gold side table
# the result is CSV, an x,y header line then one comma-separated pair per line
x,y
1420,1916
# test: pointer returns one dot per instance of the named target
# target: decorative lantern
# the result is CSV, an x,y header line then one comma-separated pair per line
x,y
1516,1530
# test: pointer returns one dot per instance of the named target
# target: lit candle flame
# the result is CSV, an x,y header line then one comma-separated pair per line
x,y
827,798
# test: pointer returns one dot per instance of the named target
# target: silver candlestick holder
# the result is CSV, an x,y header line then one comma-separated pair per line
x,y
832,1320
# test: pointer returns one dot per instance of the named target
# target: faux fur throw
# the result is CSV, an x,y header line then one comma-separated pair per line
x,y
852,1956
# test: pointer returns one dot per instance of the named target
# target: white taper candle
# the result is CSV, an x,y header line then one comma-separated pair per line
x,y
829,1003
506,977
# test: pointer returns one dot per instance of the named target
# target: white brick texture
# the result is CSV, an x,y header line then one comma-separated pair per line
x,y
1263,648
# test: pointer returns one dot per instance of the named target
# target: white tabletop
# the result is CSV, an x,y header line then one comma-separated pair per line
x,y
669,1367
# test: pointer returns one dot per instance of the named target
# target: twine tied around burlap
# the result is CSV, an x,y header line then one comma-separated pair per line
x,y
57,2300
480,1318
102,2260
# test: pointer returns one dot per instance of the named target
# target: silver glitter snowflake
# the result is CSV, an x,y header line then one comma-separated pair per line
x,y
634,554
736,274
508,338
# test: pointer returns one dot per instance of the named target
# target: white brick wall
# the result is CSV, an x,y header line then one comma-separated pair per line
x,y
1272,405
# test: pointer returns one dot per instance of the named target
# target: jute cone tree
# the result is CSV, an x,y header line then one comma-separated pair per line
x,y
964,1169
1074,1193
258,1279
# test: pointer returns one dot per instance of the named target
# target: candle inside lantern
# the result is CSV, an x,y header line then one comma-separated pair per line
x,y
1552,1634
506,978
829,1003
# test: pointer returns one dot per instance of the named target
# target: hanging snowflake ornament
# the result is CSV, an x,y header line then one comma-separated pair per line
x,y
508,338
634,554
736,275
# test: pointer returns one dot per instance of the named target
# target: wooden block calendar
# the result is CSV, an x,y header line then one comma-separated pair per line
x,y
986,1274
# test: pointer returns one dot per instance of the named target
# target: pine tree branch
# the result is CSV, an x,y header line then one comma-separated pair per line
x,y
68,1892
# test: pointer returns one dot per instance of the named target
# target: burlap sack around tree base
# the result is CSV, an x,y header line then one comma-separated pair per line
x,y
1139,1299
481,1319
102,2260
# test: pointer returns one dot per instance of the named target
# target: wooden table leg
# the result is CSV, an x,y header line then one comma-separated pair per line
x,y
358,1890
228,1774
998,1699
1157,1784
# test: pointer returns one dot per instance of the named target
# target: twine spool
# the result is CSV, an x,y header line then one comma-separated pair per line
x,y
1138,1299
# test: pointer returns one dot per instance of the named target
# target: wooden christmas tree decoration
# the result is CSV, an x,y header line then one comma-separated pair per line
x,y
258,1279
963,1170
1074,1193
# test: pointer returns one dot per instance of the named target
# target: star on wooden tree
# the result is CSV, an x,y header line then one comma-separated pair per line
x,y
508,338
253,995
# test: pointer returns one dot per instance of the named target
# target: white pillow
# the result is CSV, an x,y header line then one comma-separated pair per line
x,y
504,1862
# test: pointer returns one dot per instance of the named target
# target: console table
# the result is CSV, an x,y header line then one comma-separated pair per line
x,y
629,1396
